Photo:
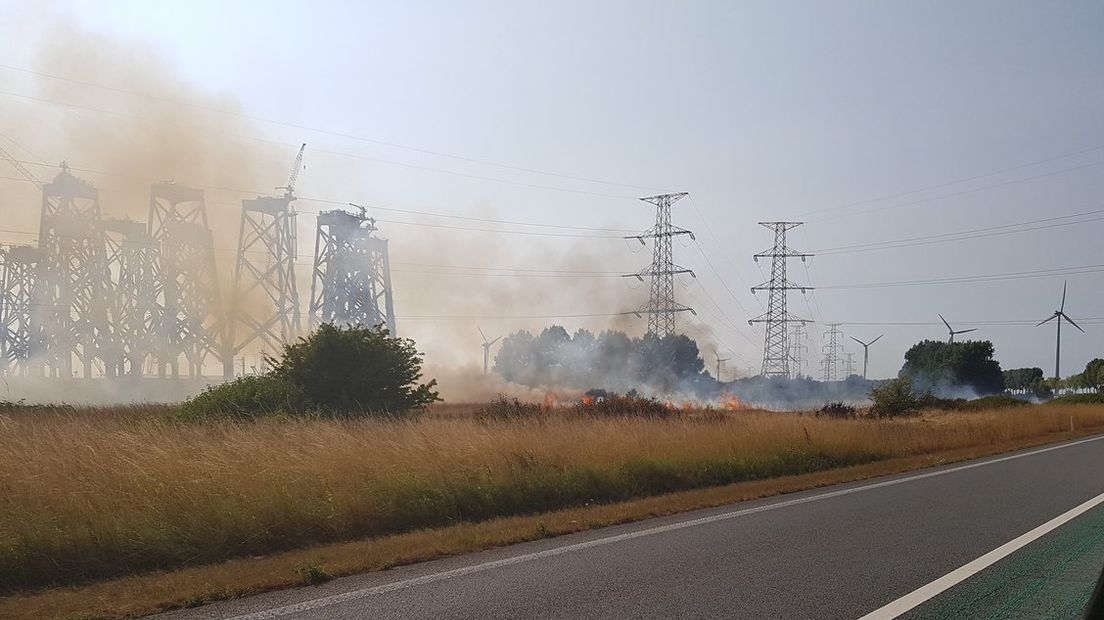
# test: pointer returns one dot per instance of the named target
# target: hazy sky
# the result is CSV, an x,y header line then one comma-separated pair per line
x,y
834,113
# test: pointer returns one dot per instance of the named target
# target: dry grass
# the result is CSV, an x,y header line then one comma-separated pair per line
x,y
93,496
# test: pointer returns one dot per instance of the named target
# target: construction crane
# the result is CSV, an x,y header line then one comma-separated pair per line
x,y
289,189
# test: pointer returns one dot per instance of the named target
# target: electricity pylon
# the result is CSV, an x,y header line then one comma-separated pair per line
x,y
662,306
798,348
849,365
832,349
776,353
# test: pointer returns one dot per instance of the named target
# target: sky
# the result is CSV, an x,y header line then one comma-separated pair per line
x,y
936,129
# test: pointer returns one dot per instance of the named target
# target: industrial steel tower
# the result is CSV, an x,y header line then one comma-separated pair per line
x,y
70,306
190,321
662,307
848,364
266,298
18,268
351,282
132,257
832,349
776,351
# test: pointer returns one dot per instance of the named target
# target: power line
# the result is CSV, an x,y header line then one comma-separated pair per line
x,y
963,235
956,181
1013,275
326,131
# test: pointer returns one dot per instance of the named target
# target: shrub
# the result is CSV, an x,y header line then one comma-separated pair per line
x,y
994,401
837,409
1080,399
333,371
895,398
624,407
506,408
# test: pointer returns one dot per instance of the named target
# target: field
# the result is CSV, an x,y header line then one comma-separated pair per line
x,y
95,494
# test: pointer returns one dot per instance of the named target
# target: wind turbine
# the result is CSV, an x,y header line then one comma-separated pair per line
x,y
866,351
1060,314
720,360
486,348
953,332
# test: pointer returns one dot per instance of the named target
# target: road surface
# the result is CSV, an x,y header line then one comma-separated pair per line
x,y
838,552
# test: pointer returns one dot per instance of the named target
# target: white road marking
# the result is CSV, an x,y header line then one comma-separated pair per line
x,y
957,576
362,593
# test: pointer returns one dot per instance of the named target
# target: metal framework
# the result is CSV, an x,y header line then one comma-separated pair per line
x,y
848,364
189,323
18,268
831,349
776,350
266,299
132,256
70,308
798,349
662,307
351,281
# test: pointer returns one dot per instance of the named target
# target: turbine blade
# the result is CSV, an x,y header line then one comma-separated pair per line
x,y
1063,307
858,341
1047,320
1064,316
946,323
876,339
494,341
966,331
481,333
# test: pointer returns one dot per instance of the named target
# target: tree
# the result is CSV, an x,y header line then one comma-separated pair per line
x,y
896,397
1024,379
938,365
346,369
334,370
1092,376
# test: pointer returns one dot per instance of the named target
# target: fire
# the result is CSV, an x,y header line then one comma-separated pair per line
x,y
587,401
731,403
550,400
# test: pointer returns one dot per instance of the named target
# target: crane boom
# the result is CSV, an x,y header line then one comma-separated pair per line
x,y
289,189
23,171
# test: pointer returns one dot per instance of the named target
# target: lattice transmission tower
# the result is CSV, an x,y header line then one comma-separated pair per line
x,y
190,325
18,272
831,349
848,364
798,349
351,282
776,349
662,307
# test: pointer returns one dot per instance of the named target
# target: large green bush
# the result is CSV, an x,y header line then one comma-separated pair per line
x,y
333,371
896,397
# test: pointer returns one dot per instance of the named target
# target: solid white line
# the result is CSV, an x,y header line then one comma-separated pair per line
x,y
957,576
528,557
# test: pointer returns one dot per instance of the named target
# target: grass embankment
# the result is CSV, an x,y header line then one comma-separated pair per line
x,y
93,495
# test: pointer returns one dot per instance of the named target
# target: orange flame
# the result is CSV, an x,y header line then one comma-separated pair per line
x,y
731,403
587,401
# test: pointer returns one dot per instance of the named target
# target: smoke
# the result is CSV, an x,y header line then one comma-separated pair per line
x,y
122,142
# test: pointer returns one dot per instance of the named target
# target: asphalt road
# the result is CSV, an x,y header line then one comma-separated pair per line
x,y
838,552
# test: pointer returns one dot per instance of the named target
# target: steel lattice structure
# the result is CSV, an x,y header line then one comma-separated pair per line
x,y
831,349
798,348
662,307
351,281
266,299
189,323
776,350
70,296
132,257
18,270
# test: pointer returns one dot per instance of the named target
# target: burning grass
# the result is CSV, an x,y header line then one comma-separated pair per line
x,y
93,495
